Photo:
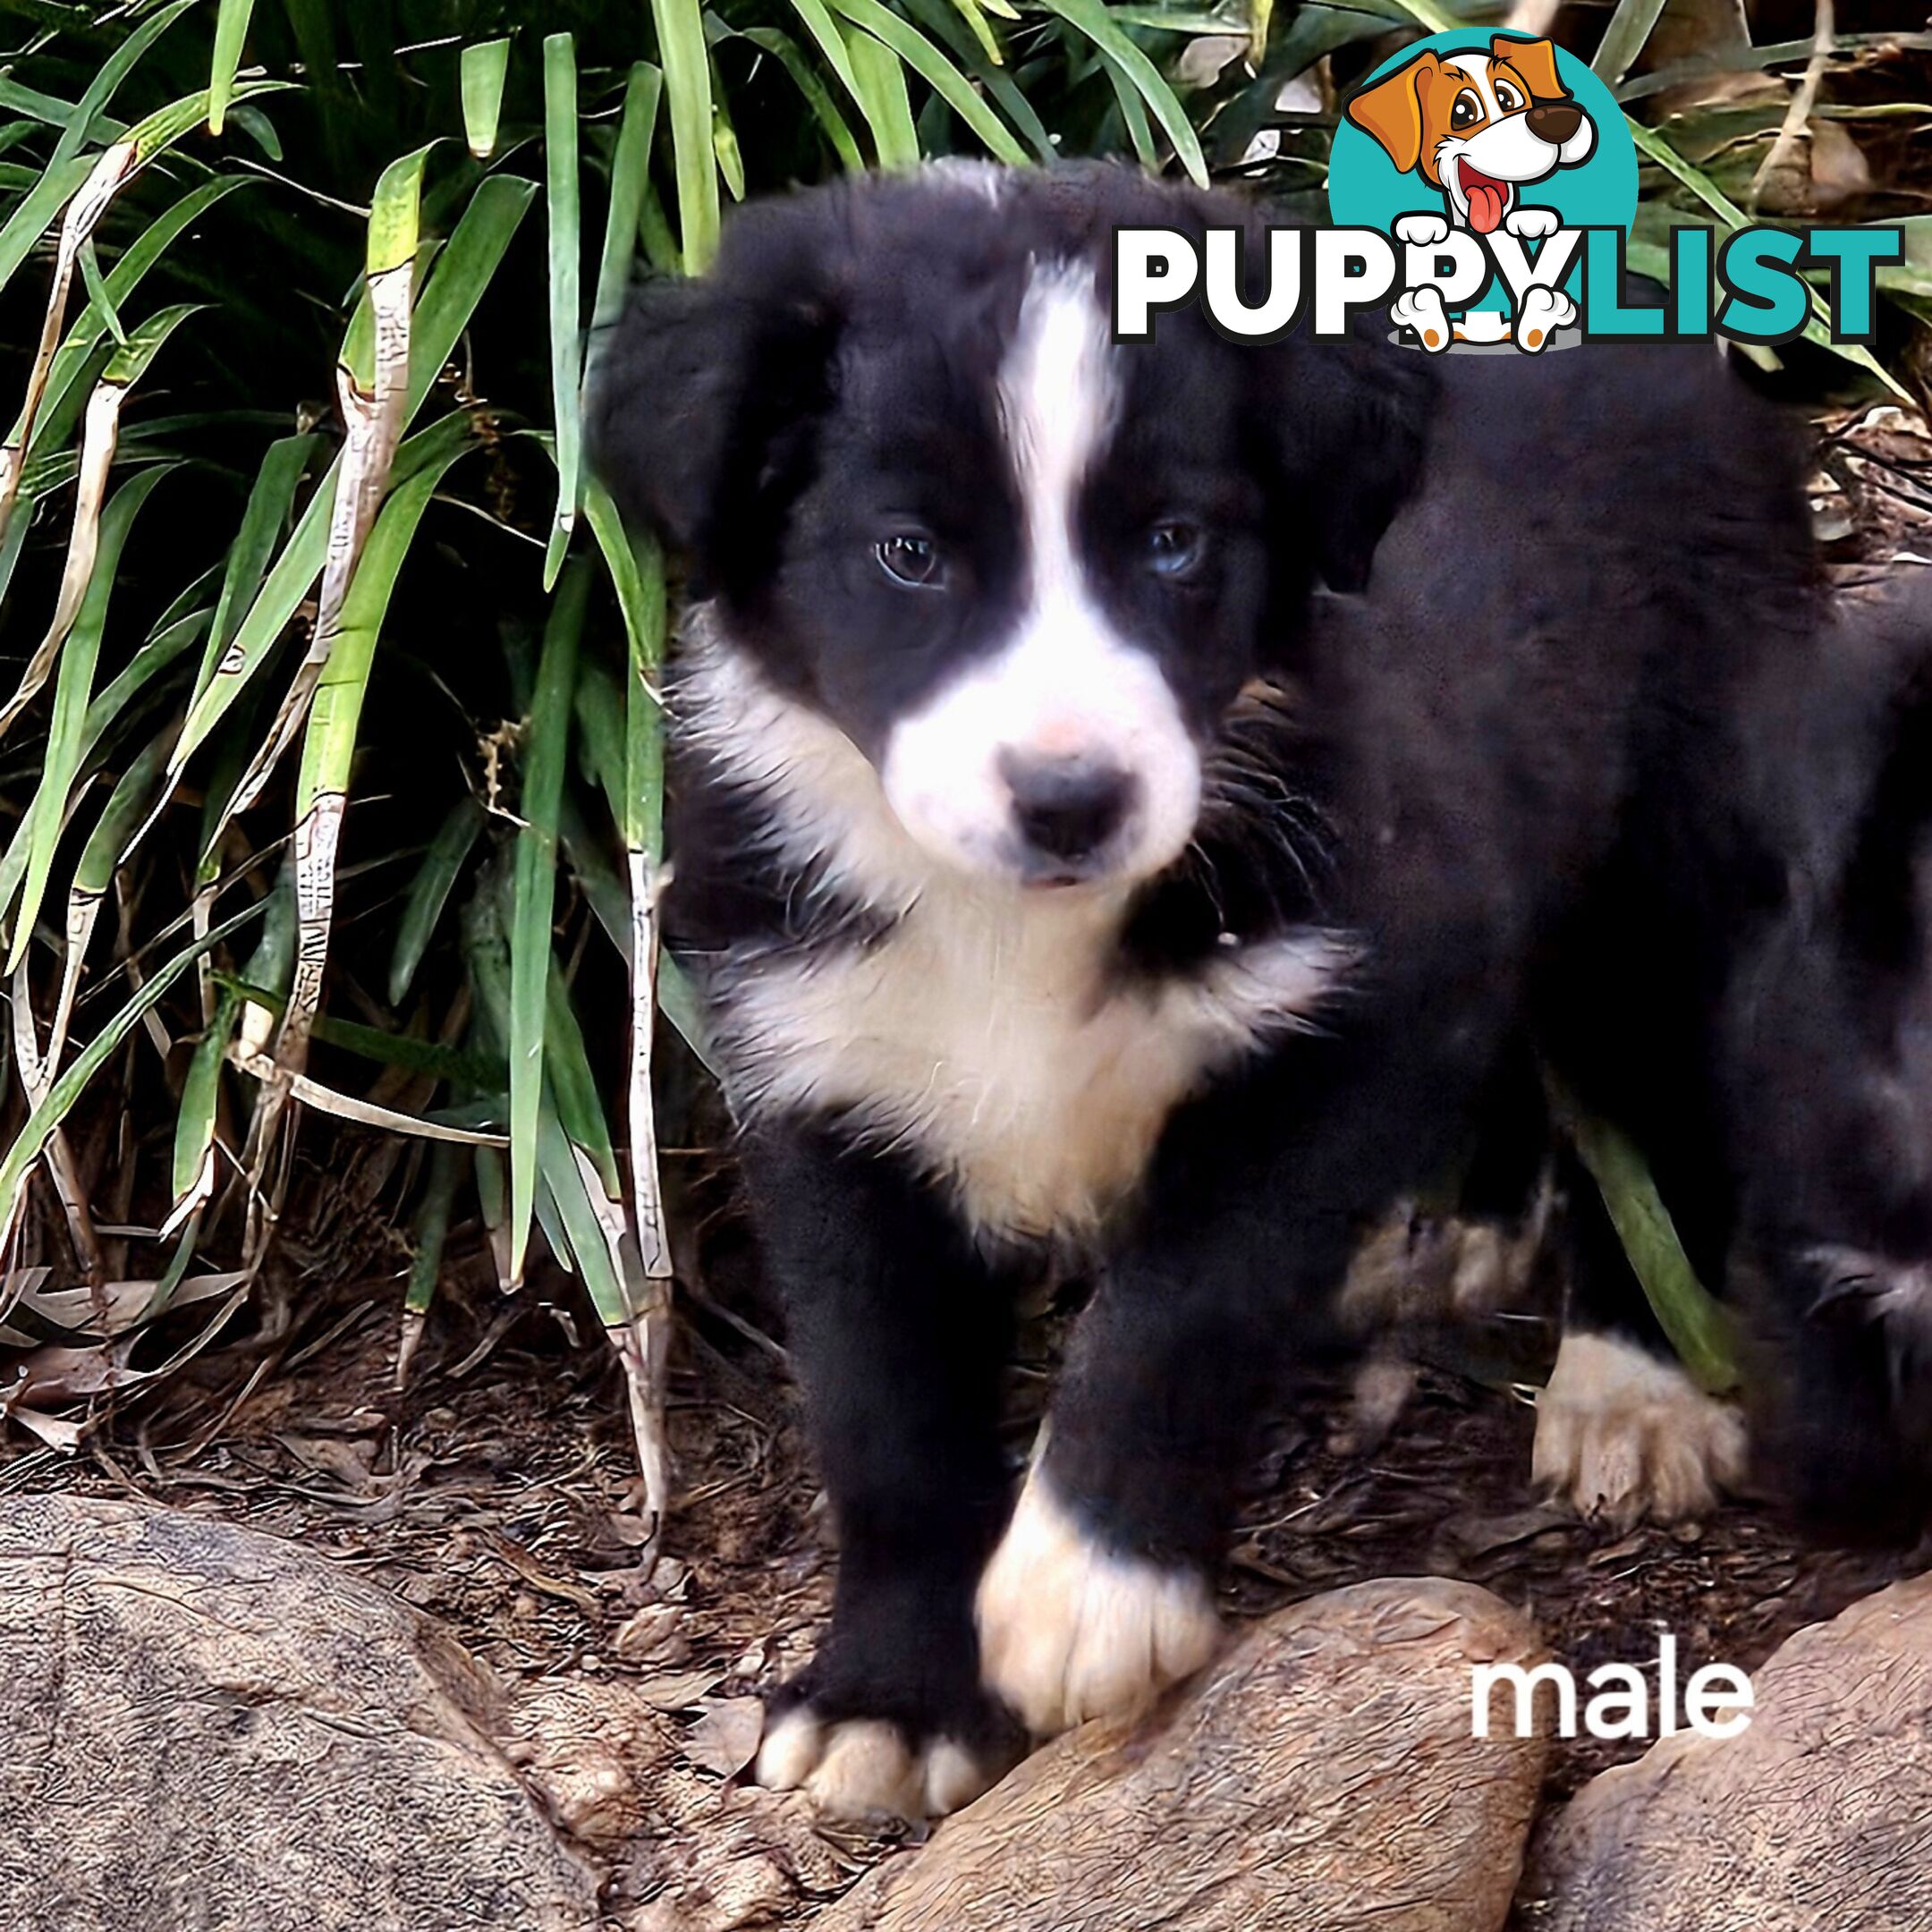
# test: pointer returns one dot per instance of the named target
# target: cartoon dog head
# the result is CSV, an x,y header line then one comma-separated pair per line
x,y
1477,126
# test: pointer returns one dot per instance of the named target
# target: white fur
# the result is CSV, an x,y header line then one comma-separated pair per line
x,y
983,1033
1066,684
1070,1631
1543,312
1532,224
1628,1437
864,1768
1423,310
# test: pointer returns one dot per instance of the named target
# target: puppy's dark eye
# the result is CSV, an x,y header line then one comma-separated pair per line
x,y
1506,97
911,560
1465,111
1173,549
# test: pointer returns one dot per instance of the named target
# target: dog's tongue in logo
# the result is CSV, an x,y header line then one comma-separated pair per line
x,y
1488,201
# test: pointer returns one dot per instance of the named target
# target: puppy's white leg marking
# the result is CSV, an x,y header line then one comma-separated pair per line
x,y
1531,224
1543,312
1070,1630
1422,310
1626,1436
1421,231
864,1768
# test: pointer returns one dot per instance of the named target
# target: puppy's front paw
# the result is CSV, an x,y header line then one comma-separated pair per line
x,y
1070,1630
1531,224
1421,231
1422,310
1626,1436
868,1768
1543,312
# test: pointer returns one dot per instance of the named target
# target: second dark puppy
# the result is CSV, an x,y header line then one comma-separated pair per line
x,y
1056,881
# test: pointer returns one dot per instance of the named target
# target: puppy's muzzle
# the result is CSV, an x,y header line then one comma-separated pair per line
x,y
1068,811
1555,121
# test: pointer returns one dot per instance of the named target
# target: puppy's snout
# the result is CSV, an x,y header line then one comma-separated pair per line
x,y
1555,121
1067,809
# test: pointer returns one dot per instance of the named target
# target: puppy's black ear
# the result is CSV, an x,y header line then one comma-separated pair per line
x,y
703,403
662,401
1350,427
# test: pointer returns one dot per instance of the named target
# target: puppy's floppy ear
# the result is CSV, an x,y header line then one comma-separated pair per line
x,y
1536,61
663,398
1350,429
703,401
1391,111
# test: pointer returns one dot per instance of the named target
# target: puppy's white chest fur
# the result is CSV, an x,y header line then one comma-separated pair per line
x,y
985,1039
985,1033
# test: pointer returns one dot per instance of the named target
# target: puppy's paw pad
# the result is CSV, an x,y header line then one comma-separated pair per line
x,y
1422,310
1531,224
1629,1438
1070,1630
865,1768
1421,231
1543,312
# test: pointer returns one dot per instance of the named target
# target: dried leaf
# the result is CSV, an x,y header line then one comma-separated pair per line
x,y
726,1738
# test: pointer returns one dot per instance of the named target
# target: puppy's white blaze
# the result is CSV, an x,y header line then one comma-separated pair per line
x,y
1070,1631
1067,684
1475,69
1626,1436
983,1036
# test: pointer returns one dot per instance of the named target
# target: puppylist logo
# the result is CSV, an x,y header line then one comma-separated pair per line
x,y
1483,187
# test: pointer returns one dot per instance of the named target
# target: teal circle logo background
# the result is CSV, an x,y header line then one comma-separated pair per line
x,y
1367,190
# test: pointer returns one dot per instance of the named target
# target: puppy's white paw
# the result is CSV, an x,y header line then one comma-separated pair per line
x,y
1422,310
1628,1437
863,1767
1531,224
1421,231
1542,312
1070,1630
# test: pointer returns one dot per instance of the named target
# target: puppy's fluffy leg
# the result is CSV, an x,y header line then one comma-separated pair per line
x,y
1070,1629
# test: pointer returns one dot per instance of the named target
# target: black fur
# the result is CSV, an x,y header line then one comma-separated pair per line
x,y
1830,1068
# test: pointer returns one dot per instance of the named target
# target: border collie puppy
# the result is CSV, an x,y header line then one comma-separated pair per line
x,y
1075,864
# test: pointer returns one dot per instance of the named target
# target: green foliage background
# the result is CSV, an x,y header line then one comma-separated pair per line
x,y
228,616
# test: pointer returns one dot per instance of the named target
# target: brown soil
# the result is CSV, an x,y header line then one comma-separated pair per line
x,y
497,1491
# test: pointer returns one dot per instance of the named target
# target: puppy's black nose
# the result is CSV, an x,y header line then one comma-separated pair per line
x,y
1066,808
1555,121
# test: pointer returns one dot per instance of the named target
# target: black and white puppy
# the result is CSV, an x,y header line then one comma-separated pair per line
x,y
1073,861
